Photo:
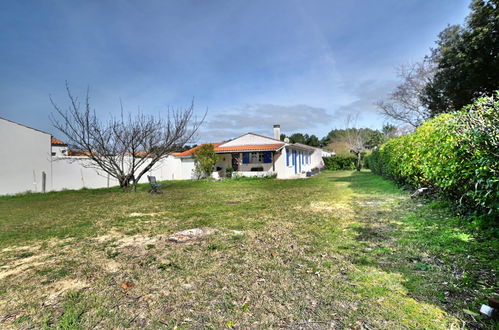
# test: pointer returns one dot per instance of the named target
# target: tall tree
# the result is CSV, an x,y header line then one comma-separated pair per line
x,y
125,147
297,138
405,104
313,141
467,60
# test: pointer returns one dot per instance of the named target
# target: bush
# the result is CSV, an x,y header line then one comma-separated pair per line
x,y
456,154
340,162
205,159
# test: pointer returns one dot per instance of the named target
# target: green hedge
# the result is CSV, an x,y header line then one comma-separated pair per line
x,y
335,163
455,153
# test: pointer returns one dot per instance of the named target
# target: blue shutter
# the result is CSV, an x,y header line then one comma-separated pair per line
x,y
294,157
287,157
246,157
267,157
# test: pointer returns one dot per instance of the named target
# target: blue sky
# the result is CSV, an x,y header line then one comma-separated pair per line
x,y
303,64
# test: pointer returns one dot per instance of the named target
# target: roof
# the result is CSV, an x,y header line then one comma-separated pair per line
x,y
259,147
13,122
191,151
305,146
248,148
56,142
78,153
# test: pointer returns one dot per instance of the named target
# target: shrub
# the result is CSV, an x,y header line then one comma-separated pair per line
x,y
205,159
340,162
456,154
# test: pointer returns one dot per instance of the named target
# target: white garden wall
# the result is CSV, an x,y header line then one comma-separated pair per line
x,y
77,173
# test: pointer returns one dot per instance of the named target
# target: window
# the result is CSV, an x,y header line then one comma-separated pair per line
x,y
256,157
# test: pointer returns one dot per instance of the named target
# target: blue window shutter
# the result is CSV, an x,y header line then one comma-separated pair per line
x,y
245,157
267,157
294,157
287,157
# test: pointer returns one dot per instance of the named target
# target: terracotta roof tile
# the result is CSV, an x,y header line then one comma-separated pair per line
x,y
78,153
56,142
193,150
259,147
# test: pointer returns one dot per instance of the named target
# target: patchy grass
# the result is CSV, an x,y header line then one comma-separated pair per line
x,y
341,249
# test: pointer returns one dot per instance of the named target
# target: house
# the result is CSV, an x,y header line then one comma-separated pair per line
x,y
59,148
26,162
257,155
39,162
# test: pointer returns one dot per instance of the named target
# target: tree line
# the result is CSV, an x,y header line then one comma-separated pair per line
x,y
463,66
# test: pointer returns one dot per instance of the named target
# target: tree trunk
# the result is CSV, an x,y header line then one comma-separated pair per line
x,y
359,165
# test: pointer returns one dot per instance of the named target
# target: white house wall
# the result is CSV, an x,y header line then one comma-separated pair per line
x,y
187,169
25,155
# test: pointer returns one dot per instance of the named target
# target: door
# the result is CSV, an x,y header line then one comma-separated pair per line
x,y
235,161
295,165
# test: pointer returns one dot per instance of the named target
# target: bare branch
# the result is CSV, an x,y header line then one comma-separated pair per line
x,y
404,104
128,146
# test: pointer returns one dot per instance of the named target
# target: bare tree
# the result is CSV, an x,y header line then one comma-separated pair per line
x,y
355,139
128,146
404,104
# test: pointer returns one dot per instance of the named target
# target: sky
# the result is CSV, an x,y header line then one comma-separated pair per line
x,y
305,65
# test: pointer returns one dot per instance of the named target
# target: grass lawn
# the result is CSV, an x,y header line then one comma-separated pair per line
x,y
341,249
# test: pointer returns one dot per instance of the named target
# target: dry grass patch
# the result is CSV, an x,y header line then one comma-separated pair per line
x,y
329,252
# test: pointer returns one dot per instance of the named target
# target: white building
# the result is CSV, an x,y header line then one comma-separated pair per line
x,y
36,161
26,158
256,155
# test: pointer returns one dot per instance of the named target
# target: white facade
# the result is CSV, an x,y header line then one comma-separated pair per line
x,y
256,155
26,156
59,151
36,164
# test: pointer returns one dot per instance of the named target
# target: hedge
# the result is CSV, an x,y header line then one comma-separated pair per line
x,y
456,154
340,162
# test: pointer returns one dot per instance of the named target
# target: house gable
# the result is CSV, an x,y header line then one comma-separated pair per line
x,y
250,139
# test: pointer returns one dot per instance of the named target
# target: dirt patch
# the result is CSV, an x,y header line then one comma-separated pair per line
x,y
190,234
20,265
139,214
137,240
111,266
328,207
61,287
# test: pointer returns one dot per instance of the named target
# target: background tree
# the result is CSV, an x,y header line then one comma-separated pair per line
x,y
297,138
205,159
389,131
467,60
313,141
405,103
340,140
124,147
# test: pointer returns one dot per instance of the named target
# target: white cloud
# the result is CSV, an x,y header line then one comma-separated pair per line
x,y
260,118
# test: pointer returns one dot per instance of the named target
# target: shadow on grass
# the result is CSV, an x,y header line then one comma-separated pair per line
x,y
442,262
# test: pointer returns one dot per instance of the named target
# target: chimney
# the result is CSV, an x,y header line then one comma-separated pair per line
x,y
277,132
